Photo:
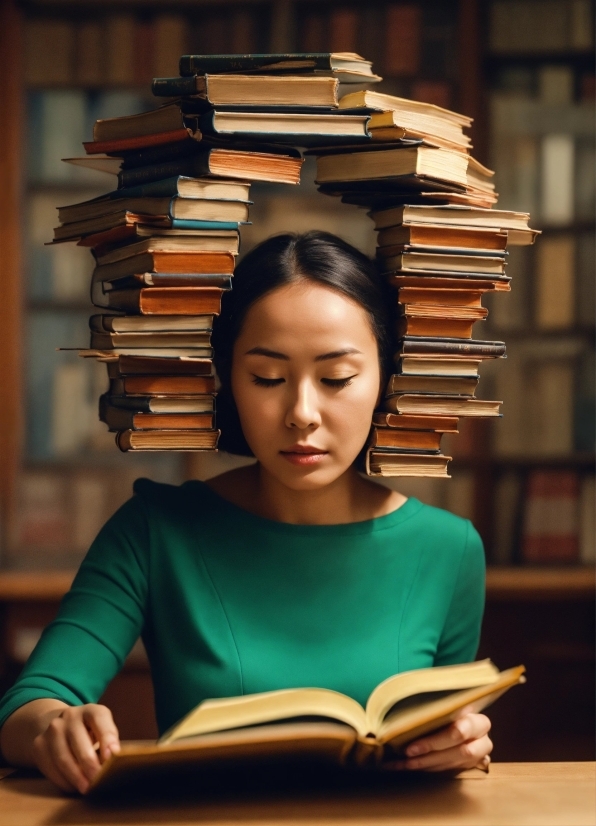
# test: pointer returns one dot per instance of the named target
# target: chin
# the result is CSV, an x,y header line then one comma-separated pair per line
x,y
303,479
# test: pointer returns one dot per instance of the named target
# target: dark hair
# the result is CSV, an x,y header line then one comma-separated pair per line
x,y
284,259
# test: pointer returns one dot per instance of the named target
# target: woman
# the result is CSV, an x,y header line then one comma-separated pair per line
x,y
294,571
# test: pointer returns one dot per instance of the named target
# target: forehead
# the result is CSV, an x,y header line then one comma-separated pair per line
x,y
308,315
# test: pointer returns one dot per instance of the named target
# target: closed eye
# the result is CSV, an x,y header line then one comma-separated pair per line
x,y
339,383
262,382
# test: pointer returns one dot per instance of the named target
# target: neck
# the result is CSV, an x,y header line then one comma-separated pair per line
x,y
337,503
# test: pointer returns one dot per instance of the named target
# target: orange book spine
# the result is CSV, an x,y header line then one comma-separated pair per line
x,y
417,439
173,421
440,327
168,385
180,301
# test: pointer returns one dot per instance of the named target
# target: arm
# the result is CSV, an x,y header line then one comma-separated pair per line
x,y
465,743
50,717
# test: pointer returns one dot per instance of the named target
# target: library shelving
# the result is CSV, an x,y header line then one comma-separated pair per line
x,y
91,54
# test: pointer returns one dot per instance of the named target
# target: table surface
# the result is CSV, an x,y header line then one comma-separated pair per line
x,y
512,794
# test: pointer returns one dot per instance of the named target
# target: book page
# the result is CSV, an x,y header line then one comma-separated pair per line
x,y
416,720
442,678
268,707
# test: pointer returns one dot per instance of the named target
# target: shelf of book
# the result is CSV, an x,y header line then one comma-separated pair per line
x,y
448,60
580,59
535,583
507,582
585,462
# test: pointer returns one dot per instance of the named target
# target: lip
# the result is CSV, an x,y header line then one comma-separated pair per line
x,y
303,455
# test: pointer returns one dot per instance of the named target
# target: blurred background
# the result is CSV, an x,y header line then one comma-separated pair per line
x,y
524,69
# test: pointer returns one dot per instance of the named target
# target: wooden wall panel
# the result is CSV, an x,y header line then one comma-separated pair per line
x,y
11,140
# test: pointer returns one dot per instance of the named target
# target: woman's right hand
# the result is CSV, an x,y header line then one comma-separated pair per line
x,y
75,743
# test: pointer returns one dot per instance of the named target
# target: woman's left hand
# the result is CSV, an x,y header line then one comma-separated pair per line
x,y
464,744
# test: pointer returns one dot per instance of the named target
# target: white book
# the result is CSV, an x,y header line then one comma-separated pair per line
x,y
555,282
558,164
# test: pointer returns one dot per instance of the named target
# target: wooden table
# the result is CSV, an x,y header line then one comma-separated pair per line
x,y
513,794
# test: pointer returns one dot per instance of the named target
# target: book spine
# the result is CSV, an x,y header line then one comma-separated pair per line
x,y
163,188
183,223
115,147
160,153
312,138
551,518
196,167
173,87
168,279
467,348
214,64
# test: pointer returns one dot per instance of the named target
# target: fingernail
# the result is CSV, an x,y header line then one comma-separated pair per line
x,y
413,750
412,764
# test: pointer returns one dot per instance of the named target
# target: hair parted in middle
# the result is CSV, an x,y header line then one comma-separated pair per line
x,y
315,256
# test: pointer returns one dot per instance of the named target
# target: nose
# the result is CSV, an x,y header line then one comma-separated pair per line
x,y
303,407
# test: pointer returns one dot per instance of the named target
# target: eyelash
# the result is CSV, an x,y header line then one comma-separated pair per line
x,y
336,383
261,382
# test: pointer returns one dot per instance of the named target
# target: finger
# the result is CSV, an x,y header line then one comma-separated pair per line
x,y
61,756
44,763
81,746
464,756
468,727
100,722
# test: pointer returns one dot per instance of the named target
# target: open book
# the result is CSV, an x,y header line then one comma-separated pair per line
x,y
314,723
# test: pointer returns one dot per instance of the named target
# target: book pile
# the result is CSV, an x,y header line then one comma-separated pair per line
x,y
442,247
166,239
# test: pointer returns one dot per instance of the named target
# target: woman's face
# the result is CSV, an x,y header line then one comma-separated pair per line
x,y
306,379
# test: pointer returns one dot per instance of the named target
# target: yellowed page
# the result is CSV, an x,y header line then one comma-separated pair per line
x,y
441,678
268,707
414,722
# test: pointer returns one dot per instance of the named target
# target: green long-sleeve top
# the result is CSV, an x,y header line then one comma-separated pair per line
x,y
229,603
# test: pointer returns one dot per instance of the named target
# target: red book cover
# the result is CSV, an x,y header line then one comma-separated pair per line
x,y
126,144
551,517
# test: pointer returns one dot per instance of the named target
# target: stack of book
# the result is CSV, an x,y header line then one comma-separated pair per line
x,y
442,247
166,239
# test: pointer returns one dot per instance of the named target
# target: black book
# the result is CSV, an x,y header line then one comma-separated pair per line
x,y
451,346
291,62
200,164
158,154
167,279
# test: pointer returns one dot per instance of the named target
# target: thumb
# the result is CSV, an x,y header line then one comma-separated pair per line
x,y
100,722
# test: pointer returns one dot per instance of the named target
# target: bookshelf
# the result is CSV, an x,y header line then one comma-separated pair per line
x,y
541,144
449,53
443,51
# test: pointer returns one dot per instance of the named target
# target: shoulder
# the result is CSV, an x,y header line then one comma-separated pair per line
x,y
159,500
448,537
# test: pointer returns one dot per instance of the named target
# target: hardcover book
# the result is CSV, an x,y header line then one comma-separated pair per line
x,y
313,724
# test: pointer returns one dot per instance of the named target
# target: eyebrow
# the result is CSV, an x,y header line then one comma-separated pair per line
x,y
273,354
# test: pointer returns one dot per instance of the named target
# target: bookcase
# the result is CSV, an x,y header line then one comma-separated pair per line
x,y
524,69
